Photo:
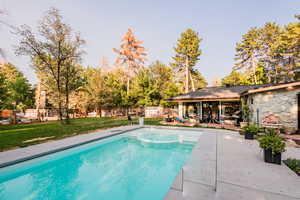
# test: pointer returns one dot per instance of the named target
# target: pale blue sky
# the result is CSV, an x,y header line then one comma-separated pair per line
x,y
158,23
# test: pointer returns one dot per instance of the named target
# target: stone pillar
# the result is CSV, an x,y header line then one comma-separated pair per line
x,y
180,109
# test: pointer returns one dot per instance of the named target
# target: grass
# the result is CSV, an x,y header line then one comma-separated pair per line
x,y
22,135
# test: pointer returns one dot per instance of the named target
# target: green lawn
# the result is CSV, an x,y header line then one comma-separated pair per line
x,y
13,136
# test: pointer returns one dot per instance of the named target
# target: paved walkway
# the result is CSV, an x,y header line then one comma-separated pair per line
x,y
241,172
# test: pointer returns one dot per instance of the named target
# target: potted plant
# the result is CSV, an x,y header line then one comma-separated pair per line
x,y
273,146
250,131
245,114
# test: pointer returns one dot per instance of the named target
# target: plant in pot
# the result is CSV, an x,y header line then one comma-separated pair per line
x,y
250,131
273,146
245,114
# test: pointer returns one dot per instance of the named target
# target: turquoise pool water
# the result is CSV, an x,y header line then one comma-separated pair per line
x,y
118,168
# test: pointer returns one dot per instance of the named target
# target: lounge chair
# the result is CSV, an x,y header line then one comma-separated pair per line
x,y
180,120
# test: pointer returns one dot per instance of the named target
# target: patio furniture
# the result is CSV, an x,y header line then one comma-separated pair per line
x,y
180,120
129,119
169,119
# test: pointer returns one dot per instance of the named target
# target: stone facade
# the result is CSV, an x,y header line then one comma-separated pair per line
x,y
282,102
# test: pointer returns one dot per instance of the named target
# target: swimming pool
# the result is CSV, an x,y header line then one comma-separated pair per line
x,y
140,164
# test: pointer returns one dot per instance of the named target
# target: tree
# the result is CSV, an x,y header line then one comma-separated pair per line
x,y
187,55
131,55
55,54
94,88
16,92
145,92
271,52
247,53
3,22
3,91
234,78
163,79
115,94
287,50
72,80
199,79
269,35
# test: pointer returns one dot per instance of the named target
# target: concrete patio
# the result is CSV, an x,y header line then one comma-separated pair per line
x,y
233,169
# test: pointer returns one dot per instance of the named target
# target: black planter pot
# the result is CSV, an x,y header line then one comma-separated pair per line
x,y
272,158
249,135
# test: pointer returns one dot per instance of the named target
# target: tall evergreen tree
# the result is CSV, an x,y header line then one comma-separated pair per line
x,y
131,55
270,53
187,55
247,53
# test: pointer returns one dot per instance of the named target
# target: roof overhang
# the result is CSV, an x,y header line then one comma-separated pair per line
x,y
290,86
204,99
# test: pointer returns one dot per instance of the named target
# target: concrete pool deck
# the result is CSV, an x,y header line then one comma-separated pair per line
x,y
222,166
233,169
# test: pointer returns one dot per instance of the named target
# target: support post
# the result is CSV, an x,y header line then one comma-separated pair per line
x,y
180,109
200,111
220,111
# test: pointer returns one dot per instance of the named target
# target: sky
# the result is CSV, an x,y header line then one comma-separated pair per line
x,y
158,23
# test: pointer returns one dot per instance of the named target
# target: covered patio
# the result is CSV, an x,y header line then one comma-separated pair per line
x,y
218,105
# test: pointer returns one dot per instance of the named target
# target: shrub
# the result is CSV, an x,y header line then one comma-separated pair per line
x,y
251,128
293,164
272,141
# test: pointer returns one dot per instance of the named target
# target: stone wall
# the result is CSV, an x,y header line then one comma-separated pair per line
x,y
282,103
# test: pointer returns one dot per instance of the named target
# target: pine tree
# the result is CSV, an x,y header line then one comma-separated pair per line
x,y
187,55
131,55
247,53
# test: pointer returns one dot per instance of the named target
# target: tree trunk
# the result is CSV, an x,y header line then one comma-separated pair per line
x,y
60,108
59,93
67,106
127,88
67,95
186,75
38,101
192,81
99,110
254,70
275,78
60,114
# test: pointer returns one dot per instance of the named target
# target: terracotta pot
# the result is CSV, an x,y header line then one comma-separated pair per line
x,y
243,124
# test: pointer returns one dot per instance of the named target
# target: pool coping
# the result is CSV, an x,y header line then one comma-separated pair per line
x,y
11,157
18,155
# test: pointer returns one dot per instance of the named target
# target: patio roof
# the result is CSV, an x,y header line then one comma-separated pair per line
x,y
289,85
217,93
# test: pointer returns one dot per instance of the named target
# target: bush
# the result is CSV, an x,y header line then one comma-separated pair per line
x,y
293,164
272,141
251,128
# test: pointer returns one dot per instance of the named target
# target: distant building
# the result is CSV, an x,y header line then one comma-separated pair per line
x,y
216,82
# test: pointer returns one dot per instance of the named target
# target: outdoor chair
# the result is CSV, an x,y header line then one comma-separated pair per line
x,y
180,120
130,121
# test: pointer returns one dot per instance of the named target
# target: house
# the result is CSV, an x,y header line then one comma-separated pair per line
x,y
281,100
222,104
